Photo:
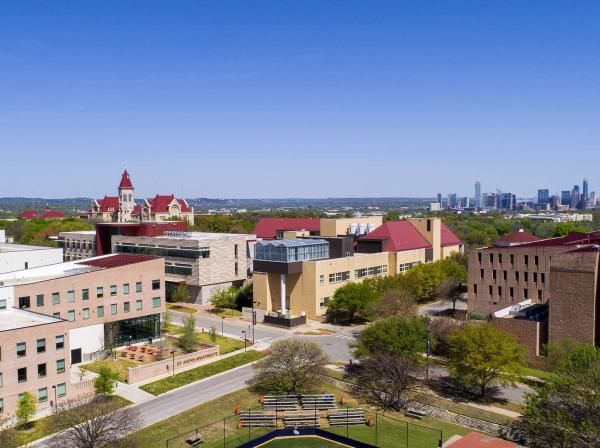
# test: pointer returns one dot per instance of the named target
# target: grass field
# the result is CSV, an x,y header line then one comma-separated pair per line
x,y
301,442
226,344
181,309
199,373
118,365
225,312
392,430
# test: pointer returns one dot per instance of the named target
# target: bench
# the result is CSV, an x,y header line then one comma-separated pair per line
x,y
256,419
415,413
346,417
318,401
194,441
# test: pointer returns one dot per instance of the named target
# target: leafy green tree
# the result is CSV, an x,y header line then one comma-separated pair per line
x,y
187,338
105,382
293,366
424,279
564,410
481,355
564,228
25,409
395,302
181,293
352,298
225,298
407,337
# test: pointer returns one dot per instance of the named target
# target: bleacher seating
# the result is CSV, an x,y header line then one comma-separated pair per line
x,y
415,413
349,416
323,401
257,419
301,419
280,402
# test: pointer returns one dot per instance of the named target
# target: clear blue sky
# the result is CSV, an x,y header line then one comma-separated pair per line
x,y
298,98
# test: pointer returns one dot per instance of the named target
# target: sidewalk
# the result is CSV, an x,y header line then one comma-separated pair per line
x,y
132,393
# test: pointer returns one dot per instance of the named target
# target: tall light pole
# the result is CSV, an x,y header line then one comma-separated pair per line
x,y
245,339
428,353
173,355
222,326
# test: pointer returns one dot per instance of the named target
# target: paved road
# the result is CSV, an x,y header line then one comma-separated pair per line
x,y
335,346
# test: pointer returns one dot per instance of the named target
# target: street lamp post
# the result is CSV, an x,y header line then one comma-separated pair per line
x,y
173,355
222,326
428,353
245,339
55,400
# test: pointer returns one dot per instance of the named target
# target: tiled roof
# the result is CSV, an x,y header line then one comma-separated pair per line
x,y
117,260
160,203
398,236
125,180
448,237
107,203
267,228
45,214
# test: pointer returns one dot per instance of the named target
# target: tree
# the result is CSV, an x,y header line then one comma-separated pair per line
x,y
564,410
187,338
481,355
440,329
352,298
225,298
293,366
384,379
424,279
181,293
451,289
25,409
406,337
97,423
104,383
396,302
166,322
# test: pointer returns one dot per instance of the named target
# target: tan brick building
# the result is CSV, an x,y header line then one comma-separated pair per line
x,y
62,314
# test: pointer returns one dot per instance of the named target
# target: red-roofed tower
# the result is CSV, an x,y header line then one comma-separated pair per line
x,y
126,198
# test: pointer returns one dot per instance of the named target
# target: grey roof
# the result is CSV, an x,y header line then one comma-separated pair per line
x,y
293,242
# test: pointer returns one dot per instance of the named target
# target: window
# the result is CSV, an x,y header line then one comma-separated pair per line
x,y
2,304
500,258
536,260
511,292
70,296
99,292
526,276
235,251
1,381
479,257
499,291
60,366
24,302
155,285
370,271
1,405
429,225
71,315
39,300
475,289
60,342
42,394
481,273
321,280
138,286
339,277
505,275
41,345
323,302
113,308
543,277
491,258
22,374
535,277
100,311
540,295
490,290
126,288
403,267
526,259
494,274
517,275
236,269
55,298
526,293
42,370
512,259
21,349
26,265
155,302
61,390
85,313
85,294
56,314
113,290
138,305
126,307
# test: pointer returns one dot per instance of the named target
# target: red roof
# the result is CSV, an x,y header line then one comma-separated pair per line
x,y
125,180
114,261
519,237
45,214
49,214
448,237
29,214
476,440
572,239
398,236
108,204
160,203
267,227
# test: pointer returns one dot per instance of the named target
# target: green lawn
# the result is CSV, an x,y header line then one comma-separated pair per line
x,y
225,312
541,374
43,427
209,418
118,365
190,376
226,344
302,442
181,309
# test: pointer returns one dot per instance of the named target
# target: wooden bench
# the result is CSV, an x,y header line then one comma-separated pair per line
x,y
325,401
346,417
194,441
255,419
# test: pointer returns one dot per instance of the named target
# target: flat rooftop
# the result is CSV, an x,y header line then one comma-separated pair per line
x,y
295,242
9,247
78,232
69,268
14,318
202,236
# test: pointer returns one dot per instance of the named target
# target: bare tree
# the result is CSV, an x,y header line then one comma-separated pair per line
x,y
451,289
292,367
396,302
384,380
97,423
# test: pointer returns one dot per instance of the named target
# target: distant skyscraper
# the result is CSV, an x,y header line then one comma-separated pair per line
x,y
592,200
508,201
565,197
477,194
575,197
585,190
543,196
439,198
451,200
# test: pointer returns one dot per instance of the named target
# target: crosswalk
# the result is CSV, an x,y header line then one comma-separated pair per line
x,y
270,339
345,336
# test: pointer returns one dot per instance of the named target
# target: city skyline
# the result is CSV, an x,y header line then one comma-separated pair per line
x,y
286,100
